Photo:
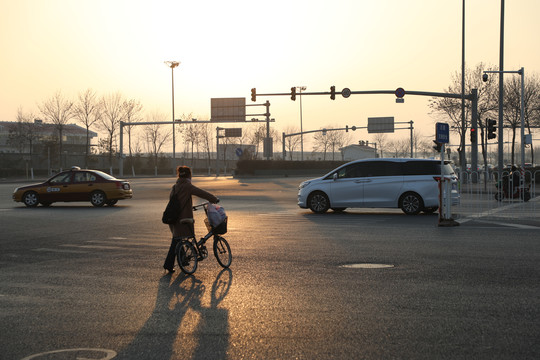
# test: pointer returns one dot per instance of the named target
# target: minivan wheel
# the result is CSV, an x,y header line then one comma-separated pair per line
x,y
411,203
319,202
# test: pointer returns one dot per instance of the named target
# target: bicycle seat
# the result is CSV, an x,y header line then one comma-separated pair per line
x,y
187,221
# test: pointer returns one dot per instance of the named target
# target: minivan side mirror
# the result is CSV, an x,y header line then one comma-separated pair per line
x,y
334,177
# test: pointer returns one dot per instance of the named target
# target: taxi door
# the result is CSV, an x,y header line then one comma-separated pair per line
x,y
58,188
82,186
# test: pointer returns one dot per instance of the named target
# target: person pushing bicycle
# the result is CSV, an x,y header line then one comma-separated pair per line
x,y
184,190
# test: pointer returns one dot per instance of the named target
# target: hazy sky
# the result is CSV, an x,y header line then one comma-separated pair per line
x,y
228,47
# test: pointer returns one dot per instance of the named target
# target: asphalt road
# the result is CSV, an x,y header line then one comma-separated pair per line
x,y
84,282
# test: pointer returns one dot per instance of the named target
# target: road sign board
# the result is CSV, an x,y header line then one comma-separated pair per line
x,y
400,92
346,92
233,132
228,109
381,124
239,152
442,133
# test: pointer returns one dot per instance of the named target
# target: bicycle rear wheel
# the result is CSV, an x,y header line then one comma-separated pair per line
x,y
187,257
222,251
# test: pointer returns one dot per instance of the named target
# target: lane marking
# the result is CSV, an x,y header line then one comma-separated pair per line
x,y
94,247
109,354
60,250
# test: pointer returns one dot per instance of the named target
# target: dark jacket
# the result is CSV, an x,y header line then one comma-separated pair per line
x,y
184,189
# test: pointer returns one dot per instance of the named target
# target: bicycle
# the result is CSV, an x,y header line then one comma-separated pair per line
x,y
189,252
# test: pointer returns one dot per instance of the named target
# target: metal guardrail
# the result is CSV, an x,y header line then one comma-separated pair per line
x,y
482,196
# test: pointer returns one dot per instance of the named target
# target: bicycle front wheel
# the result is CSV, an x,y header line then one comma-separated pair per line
x,y
187,257
222,251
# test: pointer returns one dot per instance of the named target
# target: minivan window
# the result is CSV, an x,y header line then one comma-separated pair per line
x,y
382,168
426,168
350,171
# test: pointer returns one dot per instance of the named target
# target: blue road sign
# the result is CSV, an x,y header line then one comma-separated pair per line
x,y
442,133
239,152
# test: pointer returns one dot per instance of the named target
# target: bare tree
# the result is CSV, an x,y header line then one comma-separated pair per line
x,y
191,137
336,140
322,142
156,135
450,109
380,140
256,136
132,114
24,132
88,111
512,105
207,136
113,113
58,110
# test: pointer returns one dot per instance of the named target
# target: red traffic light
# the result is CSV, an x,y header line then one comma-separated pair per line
x,y
474,135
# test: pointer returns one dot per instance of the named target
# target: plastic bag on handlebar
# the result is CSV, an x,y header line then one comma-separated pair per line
x,y
216,214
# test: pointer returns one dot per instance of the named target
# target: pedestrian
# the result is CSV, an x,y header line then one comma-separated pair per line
x,y
184,190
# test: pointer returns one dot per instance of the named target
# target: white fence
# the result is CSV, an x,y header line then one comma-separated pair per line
x,y
484,197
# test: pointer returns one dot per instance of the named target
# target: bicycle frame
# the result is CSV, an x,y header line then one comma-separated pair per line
x,y
193,239
189,251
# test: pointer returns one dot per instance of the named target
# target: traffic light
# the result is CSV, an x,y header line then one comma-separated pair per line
x,y
253,94
293,93
437,146
346,128
473,136
333,92
492,129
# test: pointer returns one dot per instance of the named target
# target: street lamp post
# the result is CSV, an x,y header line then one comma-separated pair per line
x,y
522,106
300,89
172,65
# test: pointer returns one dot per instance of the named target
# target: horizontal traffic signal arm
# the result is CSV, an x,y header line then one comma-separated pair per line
x,y
293,94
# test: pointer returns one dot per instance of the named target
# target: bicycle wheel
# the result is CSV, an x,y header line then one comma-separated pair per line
x,y
187,257
222,251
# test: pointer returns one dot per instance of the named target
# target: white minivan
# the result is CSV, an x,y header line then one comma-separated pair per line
x,y
409,184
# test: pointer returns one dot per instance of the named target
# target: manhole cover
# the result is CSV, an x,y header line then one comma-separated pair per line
x,y
367,266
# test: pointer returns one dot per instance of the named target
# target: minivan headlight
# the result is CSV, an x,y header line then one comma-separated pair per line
x,y
304,184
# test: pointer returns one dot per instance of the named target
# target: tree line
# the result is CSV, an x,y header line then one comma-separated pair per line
x,y
449,110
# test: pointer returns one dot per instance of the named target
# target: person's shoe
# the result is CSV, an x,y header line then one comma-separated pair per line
x,y
171,270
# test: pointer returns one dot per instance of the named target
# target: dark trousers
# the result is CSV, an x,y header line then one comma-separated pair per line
x,y
171,255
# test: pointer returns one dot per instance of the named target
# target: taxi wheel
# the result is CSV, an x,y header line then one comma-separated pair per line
x,y
31,199
98,198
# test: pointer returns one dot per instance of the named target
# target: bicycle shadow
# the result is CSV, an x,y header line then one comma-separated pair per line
x,y
158,337
213,327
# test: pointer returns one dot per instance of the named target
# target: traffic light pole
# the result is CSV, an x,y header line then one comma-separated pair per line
x,y
399,93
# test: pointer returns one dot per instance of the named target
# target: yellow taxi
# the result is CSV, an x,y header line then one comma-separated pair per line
x,y
75,185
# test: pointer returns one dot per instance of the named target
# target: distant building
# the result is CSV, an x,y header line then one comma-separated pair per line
x,y
16,137
361,151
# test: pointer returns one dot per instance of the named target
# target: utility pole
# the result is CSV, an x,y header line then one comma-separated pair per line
x,y
172,65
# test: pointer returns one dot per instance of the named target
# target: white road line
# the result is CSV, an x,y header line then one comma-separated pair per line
x,y
94,247
59,250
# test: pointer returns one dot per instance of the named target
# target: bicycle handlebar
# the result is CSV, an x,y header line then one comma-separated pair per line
x,y
195,207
